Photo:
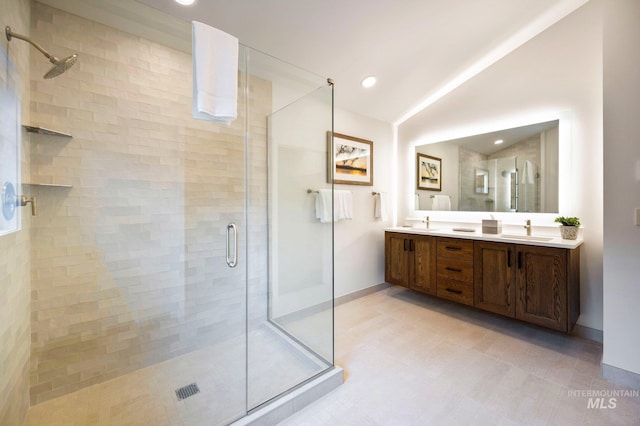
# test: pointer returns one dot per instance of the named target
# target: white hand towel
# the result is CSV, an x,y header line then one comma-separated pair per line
x,y
323,205
380,208
343,205
215,74
441,202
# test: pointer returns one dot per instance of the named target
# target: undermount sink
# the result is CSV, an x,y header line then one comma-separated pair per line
x,y
526,237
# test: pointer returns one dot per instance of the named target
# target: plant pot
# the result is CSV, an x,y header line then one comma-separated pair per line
x,y
569,232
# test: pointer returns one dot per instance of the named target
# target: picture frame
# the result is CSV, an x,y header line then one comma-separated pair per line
x,y
350,161
428,172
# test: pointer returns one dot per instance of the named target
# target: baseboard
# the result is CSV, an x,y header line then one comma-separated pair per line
x,y
587,333
302,313
323,306
360,293
619,376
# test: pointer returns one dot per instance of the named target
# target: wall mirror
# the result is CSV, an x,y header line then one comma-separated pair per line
x,y
509,170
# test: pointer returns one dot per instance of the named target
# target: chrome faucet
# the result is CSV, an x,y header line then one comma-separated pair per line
x,y
528,227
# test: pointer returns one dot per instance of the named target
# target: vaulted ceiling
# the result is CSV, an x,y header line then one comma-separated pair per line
x,y
417,49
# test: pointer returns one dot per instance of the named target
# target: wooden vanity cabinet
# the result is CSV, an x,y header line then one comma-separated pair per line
x,y
410,261
548,286
396,268
539,285
455,270
494,282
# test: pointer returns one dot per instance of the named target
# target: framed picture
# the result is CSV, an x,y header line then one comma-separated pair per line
x,y
351,160
429,173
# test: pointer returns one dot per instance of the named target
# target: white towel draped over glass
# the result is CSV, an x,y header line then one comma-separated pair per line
x,y
215,74
343,205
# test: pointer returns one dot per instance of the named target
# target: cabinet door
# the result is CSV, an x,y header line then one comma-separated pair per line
x,y
495,278
424,262
396,248
542,286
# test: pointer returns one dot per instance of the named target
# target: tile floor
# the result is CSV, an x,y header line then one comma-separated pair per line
x,y
146,397
410,359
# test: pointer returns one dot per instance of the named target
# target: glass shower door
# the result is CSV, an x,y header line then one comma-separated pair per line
x,y
290,286
216,262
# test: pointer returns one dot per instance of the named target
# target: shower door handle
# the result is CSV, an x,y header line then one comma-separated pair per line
x,y
232,262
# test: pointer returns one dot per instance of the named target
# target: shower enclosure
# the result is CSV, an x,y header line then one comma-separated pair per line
x,y
507,184
175,263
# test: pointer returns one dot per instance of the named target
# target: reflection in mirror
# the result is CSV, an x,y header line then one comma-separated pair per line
x,y
512,170
482,181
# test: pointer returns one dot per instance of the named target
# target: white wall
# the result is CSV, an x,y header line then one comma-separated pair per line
x,y
621,185
359,243
556,74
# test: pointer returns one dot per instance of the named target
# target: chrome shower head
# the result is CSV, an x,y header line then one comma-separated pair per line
x,y
59,65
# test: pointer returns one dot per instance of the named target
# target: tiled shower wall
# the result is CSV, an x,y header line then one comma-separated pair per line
x,y
128,265
14,248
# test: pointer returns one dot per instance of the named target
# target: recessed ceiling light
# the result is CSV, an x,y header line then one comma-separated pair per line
x,y
368,81
498,142
185,2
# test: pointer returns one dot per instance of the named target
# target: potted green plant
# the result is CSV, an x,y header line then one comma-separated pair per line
x,y
568,227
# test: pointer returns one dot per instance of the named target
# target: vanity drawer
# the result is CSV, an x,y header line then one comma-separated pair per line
x,y
456,291
454,269
455,248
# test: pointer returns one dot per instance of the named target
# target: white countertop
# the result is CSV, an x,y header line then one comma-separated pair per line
x,y
505,237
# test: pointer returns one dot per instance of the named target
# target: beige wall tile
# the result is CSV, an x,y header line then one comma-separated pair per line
x,y
128,266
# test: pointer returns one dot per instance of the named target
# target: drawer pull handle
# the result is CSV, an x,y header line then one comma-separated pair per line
x,y
453,269
453,248
450,290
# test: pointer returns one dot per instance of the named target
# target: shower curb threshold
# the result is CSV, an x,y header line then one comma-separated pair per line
x,y
294,401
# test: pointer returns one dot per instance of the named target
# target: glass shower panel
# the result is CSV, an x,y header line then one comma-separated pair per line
x,y
290,334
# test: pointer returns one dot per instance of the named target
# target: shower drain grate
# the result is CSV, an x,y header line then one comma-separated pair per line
x,y
187,391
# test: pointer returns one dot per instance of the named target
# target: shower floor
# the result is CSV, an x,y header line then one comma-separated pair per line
x,y
147,396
